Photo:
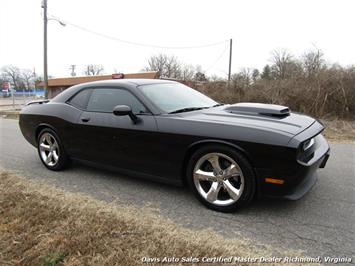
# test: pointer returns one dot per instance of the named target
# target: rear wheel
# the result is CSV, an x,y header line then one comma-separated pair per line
x,y
51,151
221,178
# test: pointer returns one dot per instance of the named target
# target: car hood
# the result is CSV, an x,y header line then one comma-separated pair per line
x,y
260,116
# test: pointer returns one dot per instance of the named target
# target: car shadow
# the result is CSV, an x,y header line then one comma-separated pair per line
x,y
161,192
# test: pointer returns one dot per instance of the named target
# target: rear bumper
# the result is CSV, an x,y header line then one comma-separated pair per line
x,y
299,179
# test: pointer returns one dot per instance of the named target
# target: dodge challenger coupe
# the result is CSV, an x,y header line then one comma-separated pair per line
x,y
164,130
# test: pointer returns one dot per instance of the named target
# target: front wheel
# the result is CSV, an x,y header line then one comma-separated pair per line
x,y
51,151
221,178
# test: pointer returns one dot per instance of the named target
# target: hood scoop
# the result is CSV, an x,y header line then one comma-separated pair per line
x,y
259,109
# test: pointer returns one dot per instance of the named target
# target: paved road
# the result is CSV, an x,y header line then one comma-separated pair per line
x,y
322,223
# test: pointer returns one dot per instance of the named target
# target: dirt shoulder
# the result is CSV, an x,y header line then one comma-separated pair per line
x,y
340,130
41,225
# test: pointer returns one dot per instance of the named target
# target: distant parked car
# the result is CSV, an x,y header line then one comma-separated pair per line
x,y
6,89
6,93
166,131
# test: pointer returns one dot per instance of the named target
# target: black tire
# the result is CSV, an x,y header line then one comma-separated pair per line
x,y
248,191
63,159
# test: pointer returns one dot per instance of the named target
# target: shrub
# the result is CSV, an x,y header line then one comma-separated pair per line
x,y
329,93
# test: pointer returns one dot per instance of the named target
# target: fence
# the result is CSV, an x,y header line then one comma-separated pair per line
x,y
19,97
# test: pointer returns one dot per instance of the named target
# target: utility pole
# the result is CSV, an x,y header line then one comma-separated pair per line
x,y
45,62
35,78
230,60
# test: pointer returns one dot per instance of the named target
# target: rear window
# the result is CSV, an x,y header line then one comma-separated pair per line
x,y
80,100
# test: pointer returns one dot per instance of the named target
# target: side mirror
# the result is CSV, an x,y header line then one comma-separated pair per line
x,y
122,110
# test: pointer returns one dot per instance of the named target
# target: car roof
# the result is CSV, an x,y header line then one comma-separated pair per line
x,y
137,82
127,83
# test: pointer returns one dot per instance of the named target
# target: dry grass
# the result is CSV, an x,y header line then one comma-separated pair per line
x,y
340,130
43,225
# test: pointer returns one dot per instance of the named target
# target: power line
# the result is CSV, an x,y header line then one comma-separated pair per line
x,y
217,60
137,43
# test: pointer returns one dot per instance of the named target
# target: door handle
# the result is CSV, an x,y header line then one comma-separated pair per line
x,y
85,119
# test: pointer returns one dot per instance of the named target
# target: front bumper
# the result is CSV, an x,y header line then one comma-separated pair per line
x,y
309,180
298,179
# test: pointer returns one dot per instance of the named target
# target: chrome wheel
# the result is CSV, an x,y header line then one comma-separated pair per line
x,y
218,179
49,149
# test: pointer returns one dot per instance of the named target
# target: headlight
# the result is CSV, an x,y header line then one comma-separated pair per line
x,y
308,144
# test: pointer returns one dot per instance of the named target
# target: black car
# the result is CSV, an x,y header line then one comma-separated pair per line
x,y
166,131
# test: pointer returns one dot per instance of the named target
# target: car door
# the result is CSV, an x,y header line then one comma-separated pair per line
x,y
115,140
73,135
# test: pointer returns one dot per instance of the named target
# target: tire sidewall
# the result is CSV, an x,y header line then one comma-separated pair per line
x,y
62,155
248,173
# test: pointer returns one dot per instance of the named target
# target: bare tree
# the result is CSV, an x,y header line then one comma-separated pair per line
x,y
215,78
93,70
157,63
12,74
246,76
3,78
171,67
28,78
312,62
241,79
188,72
281,60
168,66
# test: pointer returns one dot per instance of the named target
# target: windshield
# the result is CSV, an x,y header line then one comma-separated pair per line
x,y
171,97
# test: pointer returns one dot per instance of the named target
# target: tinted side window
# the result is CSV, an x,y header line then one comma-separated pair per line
x,y
104,100
80,100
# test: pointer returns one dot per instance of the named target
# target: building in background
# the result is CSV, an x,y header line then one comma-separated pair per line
x,y
57,85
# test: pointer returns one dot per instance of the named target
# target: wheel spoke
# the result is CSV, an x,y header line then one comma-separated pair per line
x,y
55,156
45,147
212,194
49,157
215,163
232,191
54,145
231,171
204,176
48,139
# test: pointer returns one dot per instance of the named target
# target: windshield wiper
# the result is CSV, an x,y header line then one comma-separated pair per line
x,y
218,104
188,109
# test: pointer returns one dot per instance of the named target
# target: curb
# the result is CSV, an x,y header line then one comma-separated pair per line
x,y
10,114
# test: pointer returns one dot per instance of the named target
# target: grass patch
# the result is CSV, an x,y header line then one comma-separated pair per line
x,y
53,259
42,225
